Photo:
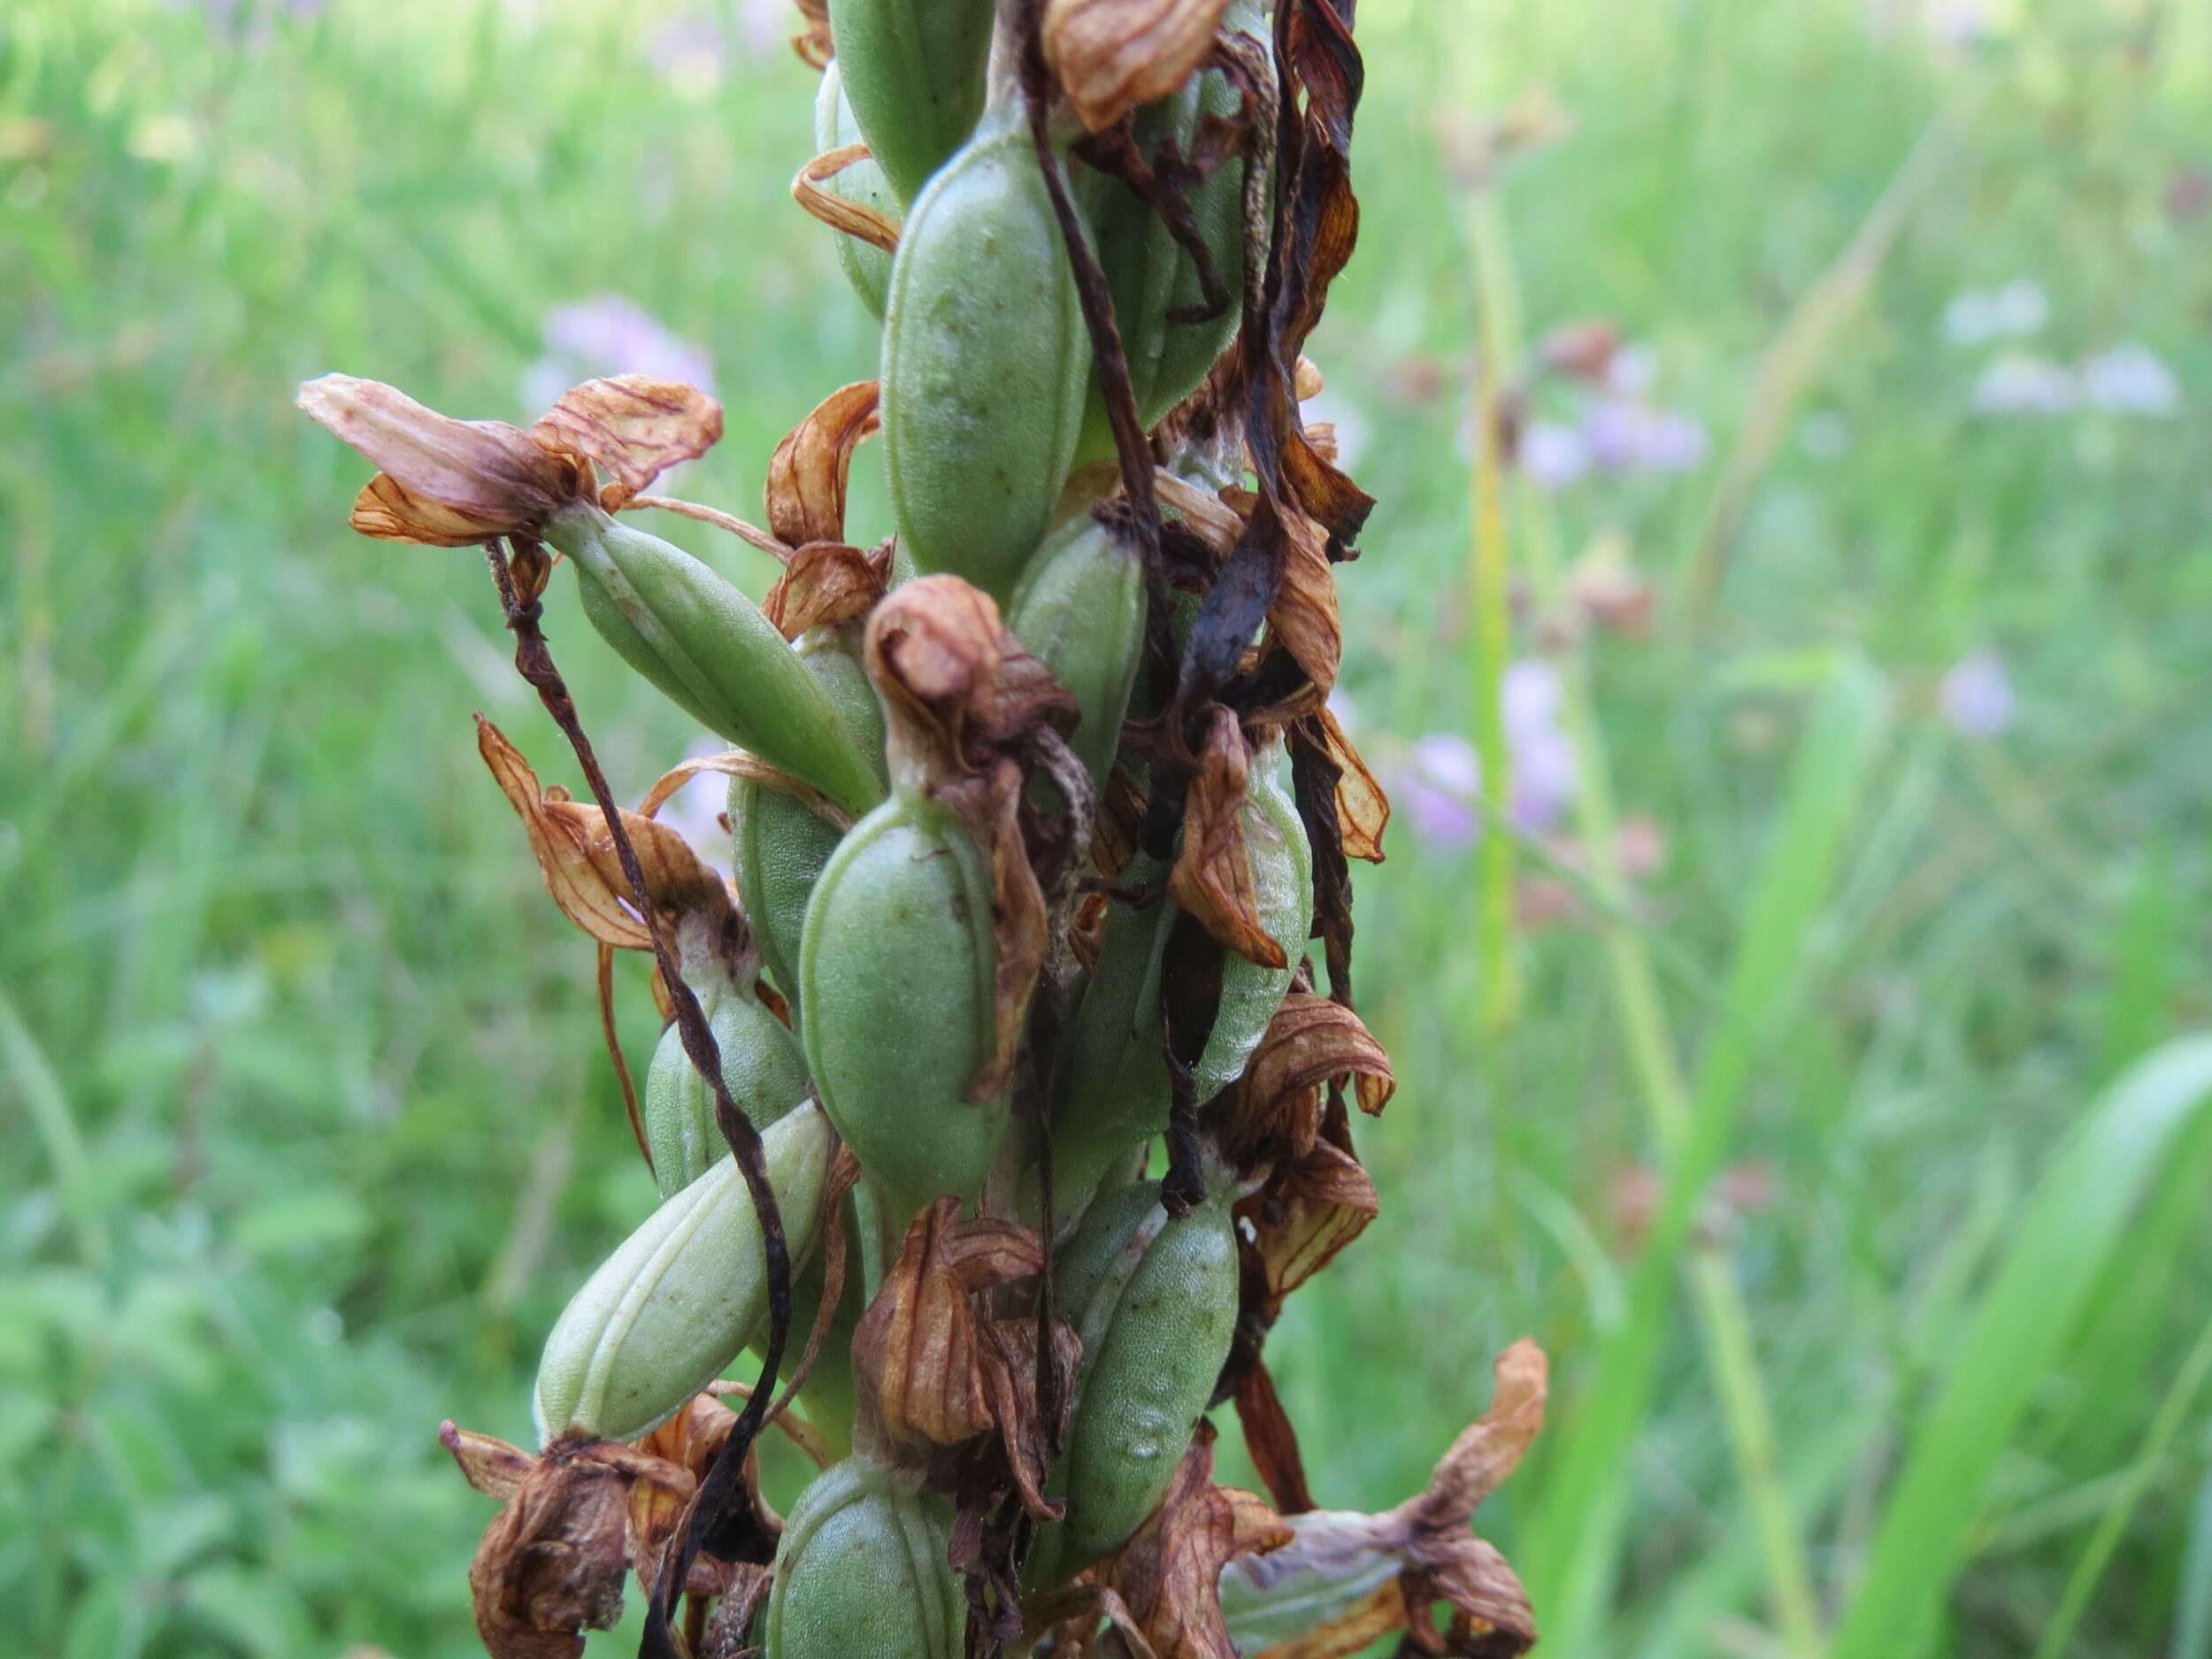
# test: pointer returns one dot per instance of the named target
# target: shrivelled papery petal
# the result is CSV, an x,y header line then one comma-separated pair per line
x,y
1212,877
1363,812
807,474
633,428
1112,55
578,857
444,482
1280,1098
1169,1572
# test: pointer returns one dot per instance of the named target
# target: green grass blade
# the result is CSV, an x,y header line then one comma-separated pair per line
x,y
2074,1221
2192,1613
1575,1541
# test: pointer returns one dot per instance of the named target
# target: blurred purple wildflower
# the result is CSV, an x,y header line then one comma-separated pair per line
x,y
1554,453
1437,785
1976,695
2022,383
2130,379
1979,315
1614,429
609,334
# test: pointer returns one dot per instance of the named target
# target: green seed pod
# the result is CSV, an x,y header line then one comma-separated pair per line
x,y
708,646
682,1296
863,1571
1079,609
761,1066
779,847
1150,274
986,361
1155,1323
896,998
1114,1093
913,72
779,844
867,268
1282,880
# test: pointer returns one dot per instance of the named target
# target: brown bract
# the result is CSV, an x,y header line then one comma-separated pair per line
x,y
970,715
551,1563
455,483
1441,1560
1212,877
581,870
1278,1103
936,1373
1363,811
1168,1574
1110,56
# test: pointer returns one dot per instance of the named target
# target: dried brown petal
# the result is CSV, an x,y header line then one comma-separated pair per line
x,y
1169,1573
1112,55
551,1563
870,225
635,427
738,763
1280,1098
1490,1615
1212,877
1304,614
1074,1611
827,583
1377,1614
1217,520
1308,1212
1491,1448
578,861
442,482
492,1466
813,42
1363,812
808,475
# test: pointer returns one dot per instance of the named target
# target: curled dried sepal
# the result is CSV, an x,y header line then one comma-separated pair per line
x,y
551,1563
842,212
827,583
442,482
812,42
1280,1100
1372,1574
1307,1212
633,427
1212,877
1304,615
807,474
1169,1573
1363,811
936,1374
578,861
1110,56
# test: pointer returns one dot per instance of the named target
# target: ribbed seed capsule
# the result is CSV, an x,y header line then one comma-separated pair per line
x,y
863,1571
709,648
761,1066
781,845
896,1001
1115,1094
1150,274
985,364
913,72
1079,609
1282,880
1154,1299
682,1296
867,268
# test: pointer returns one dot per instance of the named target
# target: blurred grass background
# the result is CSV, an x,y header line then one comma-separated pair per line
x,y
1793,1103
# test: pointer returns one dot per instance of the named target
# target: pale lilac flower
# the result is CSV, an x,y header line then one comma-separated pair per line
x,y
1553,453
1437,786
1627,437
609,335
2018,308
2022,383
1977,696
2130,379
